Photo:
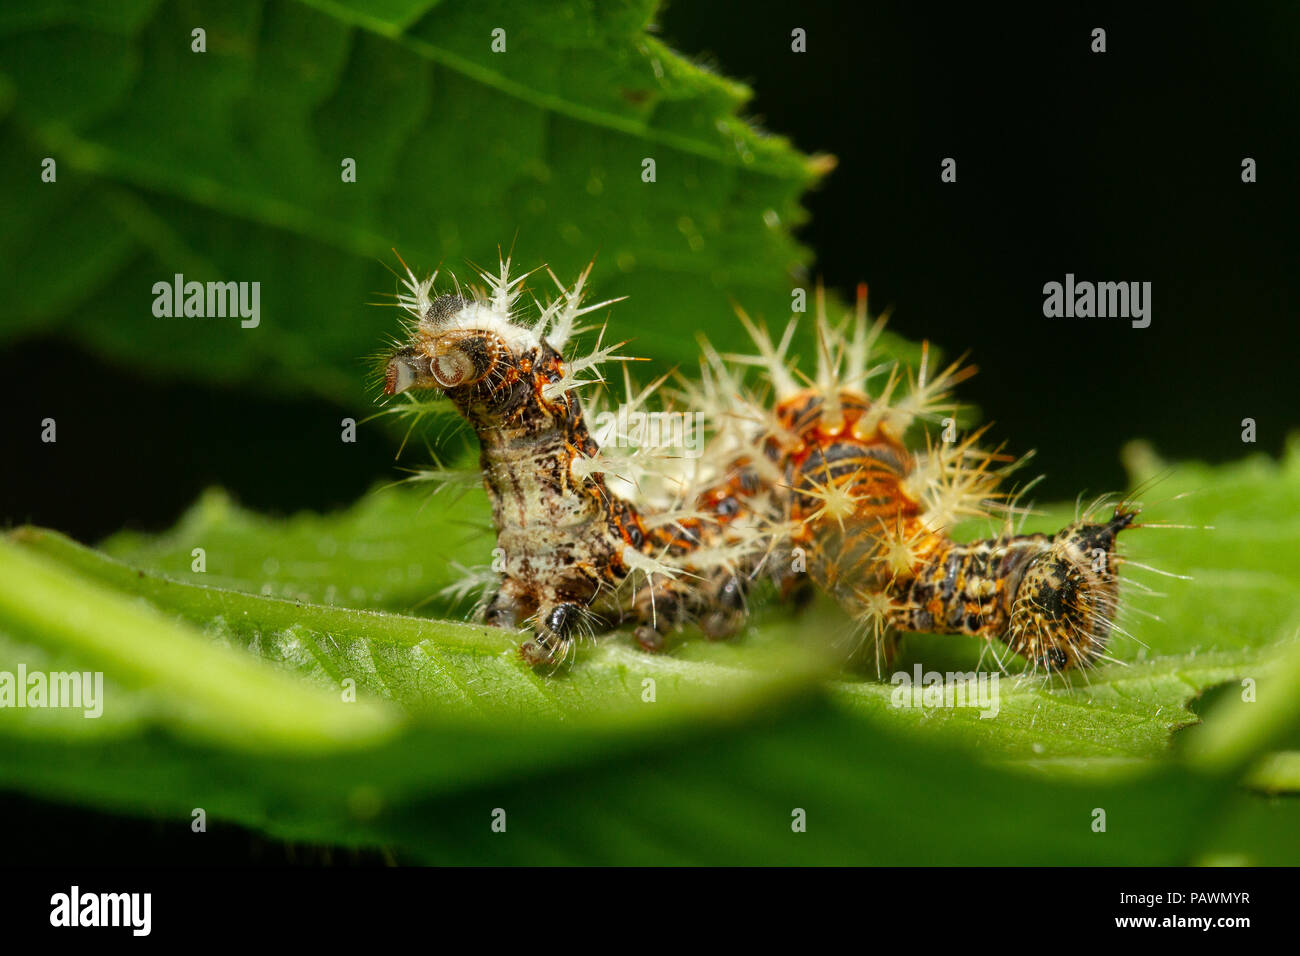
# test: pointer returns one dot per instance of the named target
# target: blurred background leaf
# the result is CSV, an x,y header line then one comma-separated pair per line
x,y
226,165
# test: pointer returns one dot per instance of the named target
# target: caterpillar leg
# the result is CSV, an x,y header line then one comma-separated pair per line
x,y
505,609
718,606
658,609
555,621
553,633
651,637
797,591
727,613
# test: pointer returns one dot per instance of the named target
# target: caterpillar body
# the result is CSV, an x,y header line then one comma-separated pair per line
x,y
806,480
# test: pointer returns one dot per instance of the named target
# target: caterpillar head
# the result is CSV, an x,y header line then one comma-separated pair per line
x,y
1067,596
456,342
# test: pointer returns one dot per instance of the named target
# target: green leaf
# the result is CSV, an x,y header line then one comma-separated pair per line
x,y
377,554
226,165
448,668
204,689
739,735
1118,712
715,776
625,779
709,792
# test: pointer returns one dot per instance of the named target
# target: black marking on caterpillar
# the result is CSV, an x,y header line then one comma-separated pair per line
x,y
598,536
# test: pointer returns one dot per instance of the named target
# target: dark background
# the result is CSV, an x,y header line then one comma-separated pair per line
x,y
1117,166
1122,166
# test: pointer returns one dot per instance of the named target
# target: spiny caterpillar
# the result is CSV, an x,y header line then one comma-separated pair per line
x,y
794,474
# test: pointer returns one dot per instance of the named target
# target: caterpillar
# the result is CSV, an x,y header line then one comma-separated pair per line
x,y
806,480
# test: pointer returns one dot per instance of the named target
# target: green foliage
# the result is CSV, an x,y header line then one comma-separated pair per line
x,y
234,694
226,165
377,555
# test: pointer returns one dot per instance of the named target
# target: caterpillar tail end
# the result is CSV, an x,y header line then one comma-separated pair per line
x,y
1067,596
